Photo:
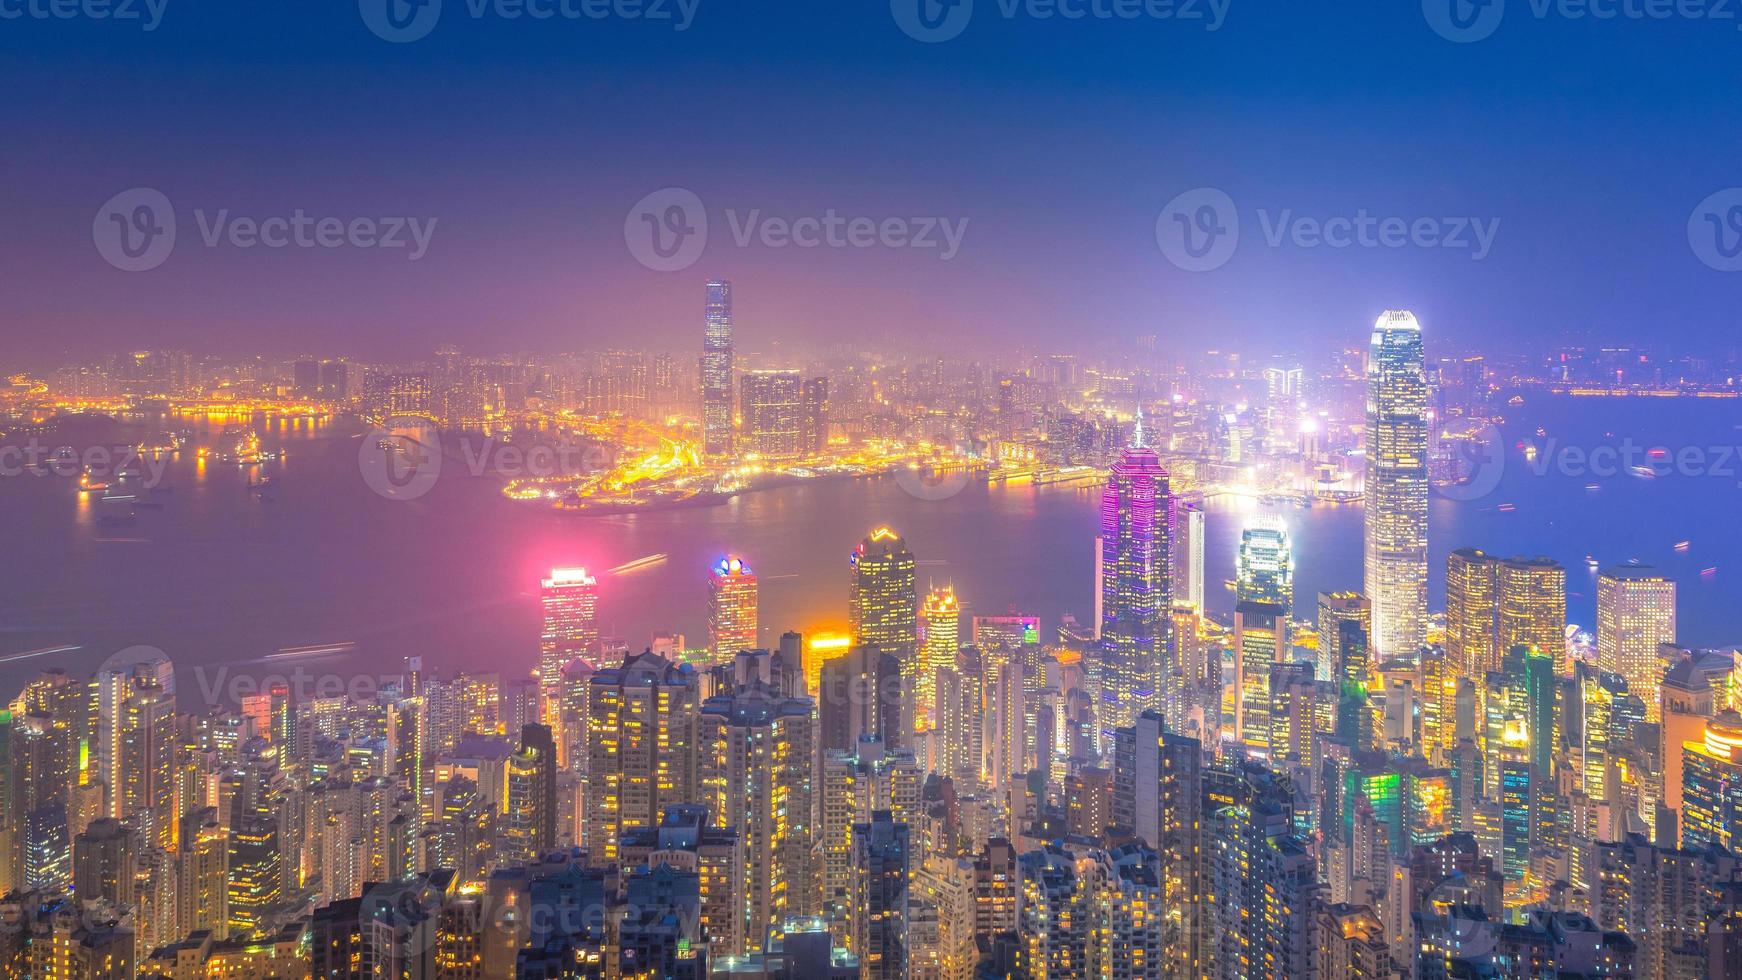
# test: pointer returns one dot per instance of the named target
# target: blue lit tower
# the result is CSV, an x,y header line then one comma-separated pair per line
x,y
1135,583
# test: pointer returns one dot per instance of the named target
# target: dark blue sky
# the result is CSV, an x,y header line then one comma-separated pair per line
x,y
1060,142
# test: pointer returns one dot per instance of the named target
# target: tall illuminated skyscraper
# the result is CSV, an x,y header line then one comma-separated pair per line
x,y
1188,556
1635,613
1135,583
716,369
1395,539
569,601
732,598
883,604
943,625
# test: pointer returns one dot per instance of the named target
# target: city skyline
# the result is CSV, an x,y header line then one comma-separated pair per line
x,y
926,490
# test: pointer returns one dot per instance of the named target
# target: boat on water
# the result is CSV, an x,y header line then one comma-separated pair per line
x,y
1642,471
1591,562
1681,547
90,484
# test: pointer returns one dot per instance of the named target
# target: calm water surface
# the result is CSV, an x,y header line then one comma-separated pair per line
x,y
222,575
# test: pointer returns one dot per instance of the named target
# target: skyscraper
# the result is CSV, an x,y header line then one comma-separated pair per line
x,y
1264,597
1135,583
1494,604
1472,601
1265,570
756,771
1533,607
716,369
1395,538
642,738
1188,556
883,605
774,414
731,608
569,600
1635,613
943,624
882,857
1335,609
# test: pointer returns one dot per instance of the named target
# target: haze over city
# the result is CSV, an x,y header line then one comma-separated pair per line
x,y
925,490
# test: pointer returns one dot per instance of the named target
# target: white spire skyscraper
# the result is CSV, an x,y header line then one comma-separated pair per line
x,y
1395,540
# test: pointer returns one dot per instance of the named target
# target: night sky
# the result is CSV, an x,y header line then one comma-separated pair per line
x,y
1059,141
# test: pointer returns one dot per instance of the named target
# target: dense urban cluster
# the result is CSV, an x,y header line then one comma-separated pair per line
x,y
1340,786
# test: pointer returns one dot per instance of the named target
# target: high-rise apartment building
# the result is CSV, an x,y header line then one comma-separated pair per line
x,y
756,772
642,747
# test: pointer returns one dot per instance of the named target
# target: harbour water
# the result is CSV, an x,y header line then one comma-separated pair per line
x,y
215,572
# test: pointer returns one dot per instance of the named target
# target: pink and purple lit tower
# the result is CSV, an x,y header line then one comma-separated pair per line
x,y
1135,584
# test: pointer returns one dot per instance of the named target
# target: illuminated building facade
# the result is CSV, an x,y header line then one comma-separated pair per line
x,y
1265,571
1334,662
1494,604
1635,613
943,624
883,603
1712,786
1135,584
882,858
1395,524
569,602
642,739
716,370
1188,556
732,598
774,414
1260,641
756,771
